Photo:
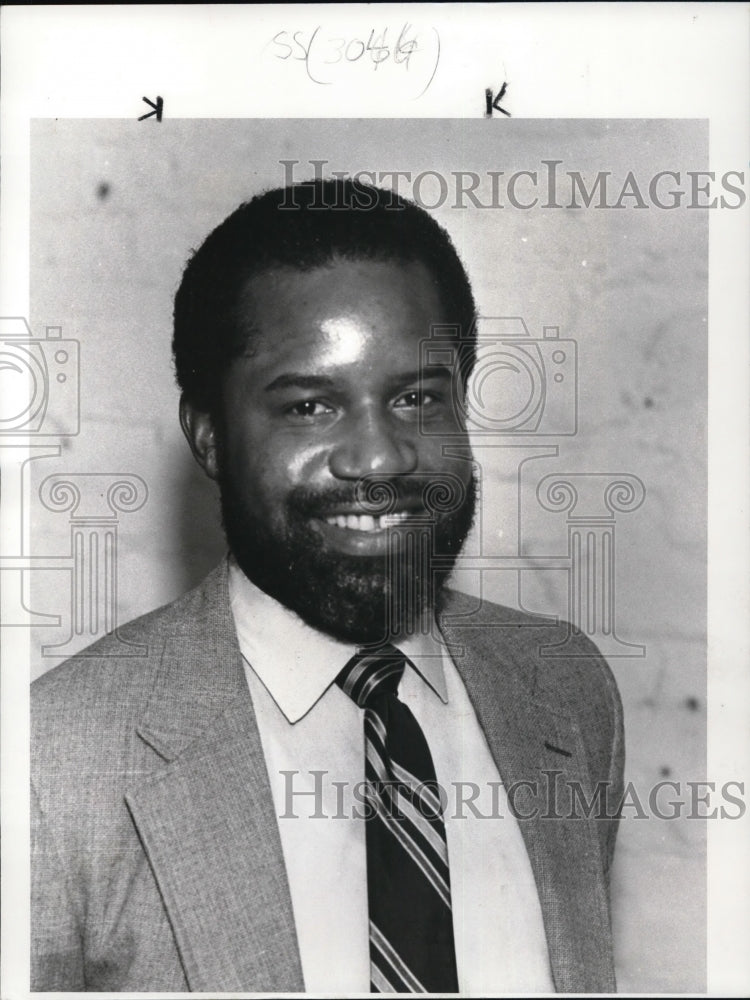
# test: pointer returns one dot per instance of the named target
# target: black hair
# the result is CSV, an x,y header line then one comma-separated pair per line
x,y
304,226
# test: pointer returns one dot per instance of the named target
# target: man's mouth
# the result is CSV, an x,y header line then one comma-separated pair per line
x,y
368,522
366,534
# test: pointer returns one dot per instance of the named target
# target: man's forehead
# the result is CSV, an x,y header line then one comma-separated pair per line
x,y
359,328
342,304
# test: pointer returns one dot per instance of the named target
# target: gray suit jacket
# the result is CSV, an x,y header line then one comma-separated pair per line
x,y
156,858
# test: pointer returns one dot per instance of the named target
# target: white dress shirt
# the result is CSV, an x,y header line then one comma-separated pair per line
x,y
307,724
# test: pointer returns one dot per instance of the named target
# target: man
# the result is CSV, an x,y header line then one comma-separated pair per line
x,y
201,816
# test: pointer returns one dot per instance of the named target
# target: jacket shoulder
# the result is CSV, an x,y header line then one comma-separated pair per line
x,y
556,661
112,678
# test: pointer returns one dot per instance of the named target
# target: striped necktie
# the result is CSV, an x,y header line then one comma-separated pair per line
x,y
408,884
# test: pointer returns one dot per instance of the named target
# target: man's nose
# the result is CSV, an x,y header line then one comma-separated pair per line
x,y
373,444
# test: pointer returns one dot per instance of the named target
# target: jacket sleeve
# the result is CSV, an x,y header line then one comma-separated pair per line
x,y
587,685
615,781
56,945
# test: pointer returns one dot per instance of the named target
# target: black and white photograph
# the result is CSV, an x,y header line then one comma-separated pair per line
x,y
361,479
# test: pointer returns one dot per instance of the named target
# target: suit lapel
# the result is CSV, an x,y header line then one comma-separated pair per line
x,y
533,741
206,817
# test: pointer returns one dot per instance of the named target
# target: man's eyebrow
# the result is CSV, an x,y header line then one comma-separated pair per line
x,y
302,380
433,371
427,372
299,380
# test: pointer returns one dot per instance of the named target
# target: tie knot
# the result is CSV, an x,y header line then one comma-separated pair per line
x,y
372,673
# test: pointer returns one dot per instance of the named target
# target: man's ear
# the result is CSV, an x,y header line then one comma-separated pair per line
x,y
200,431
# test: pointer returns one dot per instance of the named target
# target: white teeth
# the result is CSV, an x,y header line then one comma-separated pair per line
x,y
366,522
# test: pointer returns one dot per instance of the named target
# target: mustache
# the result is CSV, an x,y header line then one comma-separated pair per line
x,y
435,494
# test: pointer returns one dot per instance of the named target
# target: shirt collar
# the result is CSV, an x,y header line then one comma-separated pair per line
x,y
296,663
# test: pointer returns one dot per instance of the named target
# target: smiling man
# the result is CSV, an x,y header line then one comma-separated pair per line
x,y
327,771
326,398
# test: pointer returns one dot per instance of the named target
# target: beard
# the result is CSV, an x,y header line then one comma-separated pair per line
x,y
366,600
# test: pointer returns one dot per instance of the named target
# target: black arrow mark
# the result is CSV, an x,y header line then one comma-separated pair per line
x,y
158,109
491,104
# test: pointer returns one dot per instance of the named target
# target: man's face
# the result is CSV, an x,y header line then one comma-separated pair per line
x,y
327,403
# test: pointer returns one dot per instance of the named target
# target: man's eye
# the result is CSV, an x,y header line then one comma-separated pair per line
x,y
416,397
309,408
